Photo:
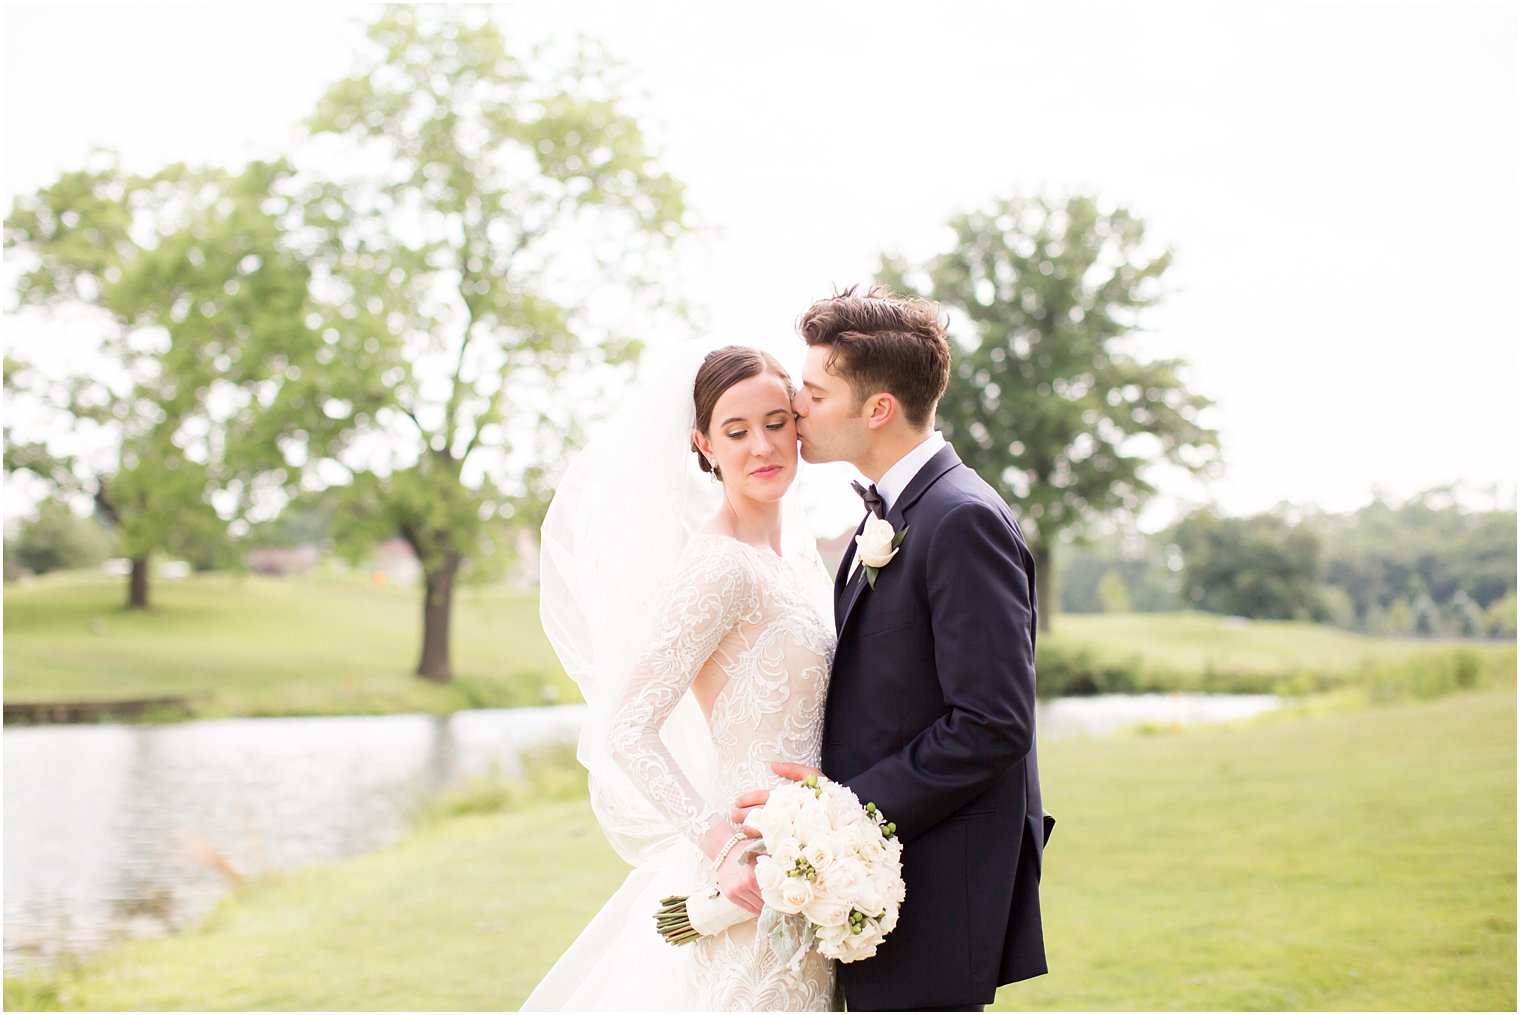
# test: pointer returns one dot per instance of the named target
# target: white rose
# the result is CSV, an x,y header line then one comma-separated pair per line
x,y
869,900
833,934
793,895
843,809
813,824
789,798
874,849
826,912
785,849
820,852
836,790
855,947
843,880
767,824
768,873
852,838
875,543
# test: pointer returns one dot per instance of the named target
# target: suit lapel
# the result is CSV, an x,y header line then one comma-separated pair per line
x,y
943,461
843,587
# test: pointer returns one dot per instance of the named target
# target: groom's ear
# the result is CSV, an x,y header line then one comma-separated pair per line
x,y
880,409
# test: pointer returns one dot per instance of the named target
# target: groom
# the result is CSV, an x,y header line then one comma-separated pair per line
x,y
931,699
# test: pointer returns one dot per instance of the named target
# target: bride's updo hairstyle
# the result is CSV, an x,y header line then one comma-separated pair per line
x,y
721,370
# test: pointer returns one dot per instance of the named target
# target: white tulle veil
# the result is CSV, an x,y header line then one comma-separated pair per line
x,y
613,534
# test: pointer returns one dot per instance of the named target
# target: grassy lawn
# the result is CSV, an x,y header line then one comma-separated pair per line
x,y
256,645
325,644
1198,641
1350,861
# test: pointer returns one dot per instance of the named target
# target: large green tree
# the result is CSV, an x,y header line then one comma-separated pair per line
x,y
199,392
1262,567
505,213
1049,401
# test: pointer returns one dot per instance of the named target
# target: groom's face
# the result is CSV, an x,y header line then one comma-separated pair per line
x,y
830,424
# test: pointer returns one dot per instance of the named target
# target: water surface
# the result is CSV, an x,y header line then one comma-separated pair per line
x,y
114,830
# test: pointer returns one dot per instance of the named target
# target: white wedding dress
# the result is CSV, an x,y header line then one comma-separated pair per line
x,y
764,621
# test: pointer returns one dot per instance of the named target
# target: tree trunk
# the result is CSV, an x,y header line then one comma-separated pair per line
x,y
137,585
437,608
1044,583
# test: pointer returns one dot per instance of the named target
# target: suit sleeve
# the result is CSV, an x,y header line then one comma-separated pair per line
x,y
981,615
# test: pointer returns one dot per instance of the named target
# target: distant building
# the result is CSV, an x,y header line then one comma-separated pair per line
x,y
282,560
523,574
395,560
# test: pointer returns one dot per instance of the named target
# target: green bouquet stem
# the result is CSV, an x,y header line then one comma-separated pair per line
x,y
672,921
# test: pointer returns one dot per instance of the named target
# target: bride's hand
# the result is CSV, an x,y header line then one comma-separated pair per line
x,y
737,881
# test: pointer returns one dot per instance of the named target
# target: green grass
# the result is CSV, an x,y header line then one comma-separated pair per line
x,y
1198,641
1206,652
334,644
256,645
1349,861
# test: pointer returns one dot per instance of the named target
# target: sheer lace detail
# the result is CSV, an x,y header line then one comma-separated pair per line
x,y
714,591
765,622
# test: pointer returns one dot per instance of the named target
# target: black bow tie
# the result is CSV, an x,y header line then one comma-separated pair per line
x,y
874,503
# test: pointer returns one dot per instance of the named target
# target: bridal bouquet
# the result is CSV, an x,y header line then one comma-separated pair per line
x,y
829,871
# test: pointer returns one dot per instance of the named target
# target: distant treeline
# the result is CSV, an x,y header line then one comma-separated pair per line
x,y
1425,567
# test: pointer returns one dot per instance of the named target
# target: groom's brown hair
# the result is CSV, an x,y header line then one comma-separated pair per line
x,y
883,342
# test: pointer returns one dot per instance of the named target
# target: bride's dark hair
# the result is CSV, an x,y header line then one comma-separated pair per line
x,y
721,370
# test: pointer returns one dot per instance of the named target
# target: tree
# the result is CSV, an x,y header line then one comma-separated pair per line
x,y
1138,562
1113,594
200,394
1261,567
509,207
1429,552
56,540
1046,400
1499,618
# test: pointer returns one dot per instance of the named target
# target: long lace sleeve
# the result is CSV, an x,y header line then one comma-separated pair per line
x,y
714,590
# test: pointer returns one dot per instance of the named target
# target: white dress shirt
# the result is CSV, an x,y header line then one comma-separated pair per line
x,y
896,479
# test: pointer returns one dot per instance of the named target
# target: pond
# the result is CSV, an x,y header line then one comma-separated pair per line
x,y
114,830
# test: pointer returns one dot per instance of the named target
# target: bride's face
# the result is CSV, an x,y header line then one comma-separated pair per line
x,y
753,438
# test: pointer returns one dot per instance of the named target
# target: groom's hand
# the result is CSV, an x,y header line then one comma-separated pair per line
x,y
746,802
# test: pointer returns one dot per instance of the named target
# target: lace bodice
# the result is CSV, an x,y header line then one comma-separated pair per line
x,y
764,622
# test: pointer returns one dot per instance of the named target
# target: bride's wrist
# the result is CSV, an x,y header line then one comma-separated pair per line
x,y
730,846
719,837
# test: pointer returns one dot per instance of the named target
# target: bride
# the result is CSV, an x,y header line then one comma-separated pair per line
x,y
701,637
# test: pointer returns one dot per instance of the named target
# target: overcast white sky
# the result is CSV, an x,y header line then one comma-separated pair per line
x,y
1341,182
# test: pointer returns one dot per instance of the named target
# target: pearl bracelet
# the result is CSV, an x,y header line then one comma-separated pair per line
x,y
728,847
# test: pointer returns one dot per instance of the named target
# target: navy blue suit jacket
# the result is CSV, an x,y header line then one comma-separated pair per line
x,y
931,717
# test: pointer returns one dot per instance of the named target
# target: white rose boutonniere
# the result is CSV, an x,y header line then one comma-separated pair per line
x,y
876,545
